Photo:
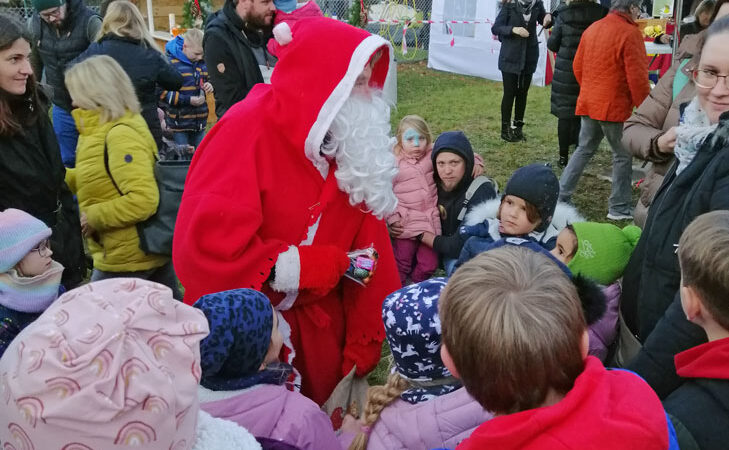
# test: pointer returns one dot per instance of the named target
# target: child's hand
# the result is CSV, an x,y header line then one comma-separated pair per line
x,y
351,425
207,87
396,229
197,100
86,229
477,170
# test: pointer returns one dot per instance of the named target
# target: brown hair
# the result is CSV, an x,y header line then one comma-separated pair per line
x,y
703,253
531,211
416,122
378,397
13,119
513,325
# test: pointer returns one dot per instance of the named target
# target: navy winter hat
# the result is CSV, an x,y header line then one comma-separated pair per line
x,y
538,185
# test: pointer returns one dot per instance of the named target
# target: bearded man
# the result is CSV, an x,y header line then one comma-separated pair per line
x,y
289,181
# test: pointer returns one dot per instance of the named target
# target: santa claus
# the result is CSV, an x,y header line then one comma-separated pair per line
x,y
286,184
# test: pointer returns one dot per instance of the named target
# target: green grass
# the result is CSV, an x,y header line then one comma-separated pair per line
x,y
457,102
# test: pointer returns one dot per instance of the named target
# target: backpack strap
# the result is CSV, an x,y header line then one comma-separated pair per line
x,y
106,158
475,184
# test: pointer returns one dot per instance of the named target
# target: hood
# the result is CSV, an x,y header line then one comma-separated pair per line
x,y
710,360
173,49
457,143
314,76
564,214
607,406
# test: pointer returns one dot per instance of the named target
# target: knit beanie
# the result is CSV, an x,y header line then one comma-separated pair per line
x,y
111,364
19,234
538,185
603,250
41,5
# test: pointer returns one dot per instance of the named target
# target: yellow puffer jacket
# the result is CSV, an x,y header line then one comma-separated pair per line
x,y
132,152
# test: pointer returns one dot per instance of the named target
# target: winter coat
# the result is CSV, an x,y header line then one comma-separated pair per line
x,y
701,404
229,53
180,115
32,179
54,50
441,422
570,22
607,409
658,113
518,55
273,412
611,67
11,324
603,332
417,197
131,157
652,275
146,67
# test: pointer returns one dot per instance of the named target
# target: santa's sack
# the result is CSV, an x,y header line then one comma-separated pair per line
x,y
349,397
155,233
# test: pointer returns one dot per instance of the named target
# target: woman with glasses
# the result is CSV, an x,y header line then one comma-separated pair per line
x,y
31,171
698,182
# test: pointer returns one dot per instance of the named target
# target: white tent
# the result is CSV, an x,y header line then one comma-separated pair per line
x,y
470,48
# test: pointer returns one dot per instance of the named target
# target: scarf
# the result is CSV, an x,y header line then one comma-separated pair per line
x,y
526,6
30,294
693,129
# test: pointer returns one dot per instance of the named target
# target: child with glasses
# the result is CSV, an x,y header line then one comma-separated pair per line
x,y
29,278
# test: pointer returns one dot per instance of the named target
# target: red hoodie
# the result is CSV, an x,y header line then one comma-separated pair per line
x,y
710,360
256,189
605,409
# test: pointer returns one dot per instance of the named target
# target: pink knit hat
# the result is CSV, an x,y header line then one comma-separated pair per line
x,y
112,363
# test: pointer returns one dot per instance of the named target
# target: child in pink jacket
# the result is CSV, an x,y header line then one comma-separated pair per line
x,y
243,380
422,406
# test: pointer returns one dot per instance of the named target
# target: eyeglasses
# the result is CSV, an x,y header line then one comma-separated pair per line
x,y
707,79
41,248
55,13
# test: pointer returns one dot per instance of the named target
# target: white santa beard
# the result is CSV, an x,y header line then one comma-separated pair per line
x,y
361,145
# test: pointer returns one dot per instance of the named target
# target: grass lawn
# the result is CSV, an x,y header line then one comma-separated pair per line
x,y
456,102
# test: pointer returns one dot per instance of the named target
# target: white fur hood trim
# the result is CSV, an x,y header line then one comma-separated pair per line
x,y
218,434
564,214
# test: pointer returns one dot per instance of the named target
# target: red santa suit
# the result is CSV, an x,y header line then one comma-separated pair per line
x,y
260,194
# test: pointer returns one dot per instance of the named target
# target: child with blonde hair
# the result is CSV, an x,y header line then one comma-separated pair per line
x,y
422,405
514,333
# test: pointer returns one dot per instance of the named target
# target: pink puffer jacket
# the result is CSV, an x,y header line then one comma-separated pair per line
x,y
417,208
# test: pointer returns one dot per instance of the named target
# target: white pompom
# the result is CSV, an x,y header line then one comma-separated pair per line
x,y
282,33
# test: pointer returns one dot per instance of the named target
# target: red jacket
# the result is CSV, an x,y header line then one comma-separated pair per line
x,y
611,68
605,409
255,190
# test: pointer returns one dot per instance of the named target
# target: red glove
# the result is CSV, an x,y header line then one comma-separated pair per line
x,y
365,357
322,266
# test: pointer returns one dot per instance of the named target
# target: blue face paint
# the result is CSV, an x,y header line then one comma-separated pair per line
x,y
411,134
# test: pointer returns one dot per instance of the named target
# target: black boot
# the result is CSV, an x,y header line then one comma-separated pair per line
x,y
563,157
506,132
517,131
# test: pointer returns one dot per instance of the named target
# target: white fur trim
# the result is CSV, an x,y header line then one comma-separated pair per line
x,y
285,329
217,434
288,269
339,95
479,213
282,33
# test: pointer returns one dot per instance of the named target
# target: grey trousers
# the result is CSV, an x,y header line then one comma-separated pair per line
x,y
591,134
163,275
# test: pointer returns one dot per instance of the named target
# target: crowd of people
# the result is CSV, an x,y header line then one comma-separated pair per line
x,y
308,235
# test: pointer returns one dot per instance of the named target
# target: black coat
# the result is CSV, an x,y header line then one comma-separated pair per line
x,y
518,54
229,55
32,179
569,24
147,68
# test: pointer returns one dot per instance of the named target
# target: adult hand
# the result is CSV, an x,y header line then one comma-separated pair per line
x,y
667,141
520,31
547,20
477,170
428,239
207,87
86,229
664,39
396,229
197,100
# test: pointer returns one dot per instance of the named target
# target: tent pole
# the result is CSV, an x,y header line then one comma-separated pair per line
x,y
678,11
150,16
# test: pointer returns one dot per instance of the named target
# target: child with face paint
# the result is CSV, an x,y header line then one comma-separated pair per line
x,y
417,209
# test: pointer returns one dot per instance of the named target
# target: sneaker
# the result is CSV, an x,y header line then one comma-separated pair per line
x,y
620,216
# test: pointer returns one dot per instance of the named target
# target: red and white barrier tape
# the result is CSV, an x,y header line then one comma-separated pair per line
x,y
408,22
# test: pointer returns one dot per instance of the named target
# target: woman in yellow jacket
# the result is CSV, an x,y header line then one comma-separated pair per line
x,y
116,194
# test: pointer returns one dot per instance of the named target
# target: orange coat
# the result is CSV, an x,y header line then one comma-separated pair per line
x,y
612,69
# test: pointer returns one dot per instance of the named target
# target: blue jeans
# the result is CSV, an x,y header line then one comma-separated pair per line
x,y
66,134
163,275
591,134
188,137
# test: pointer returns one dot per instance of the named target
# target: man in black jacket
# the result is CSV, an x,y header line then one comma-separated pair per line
x,y
235,49
61,31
